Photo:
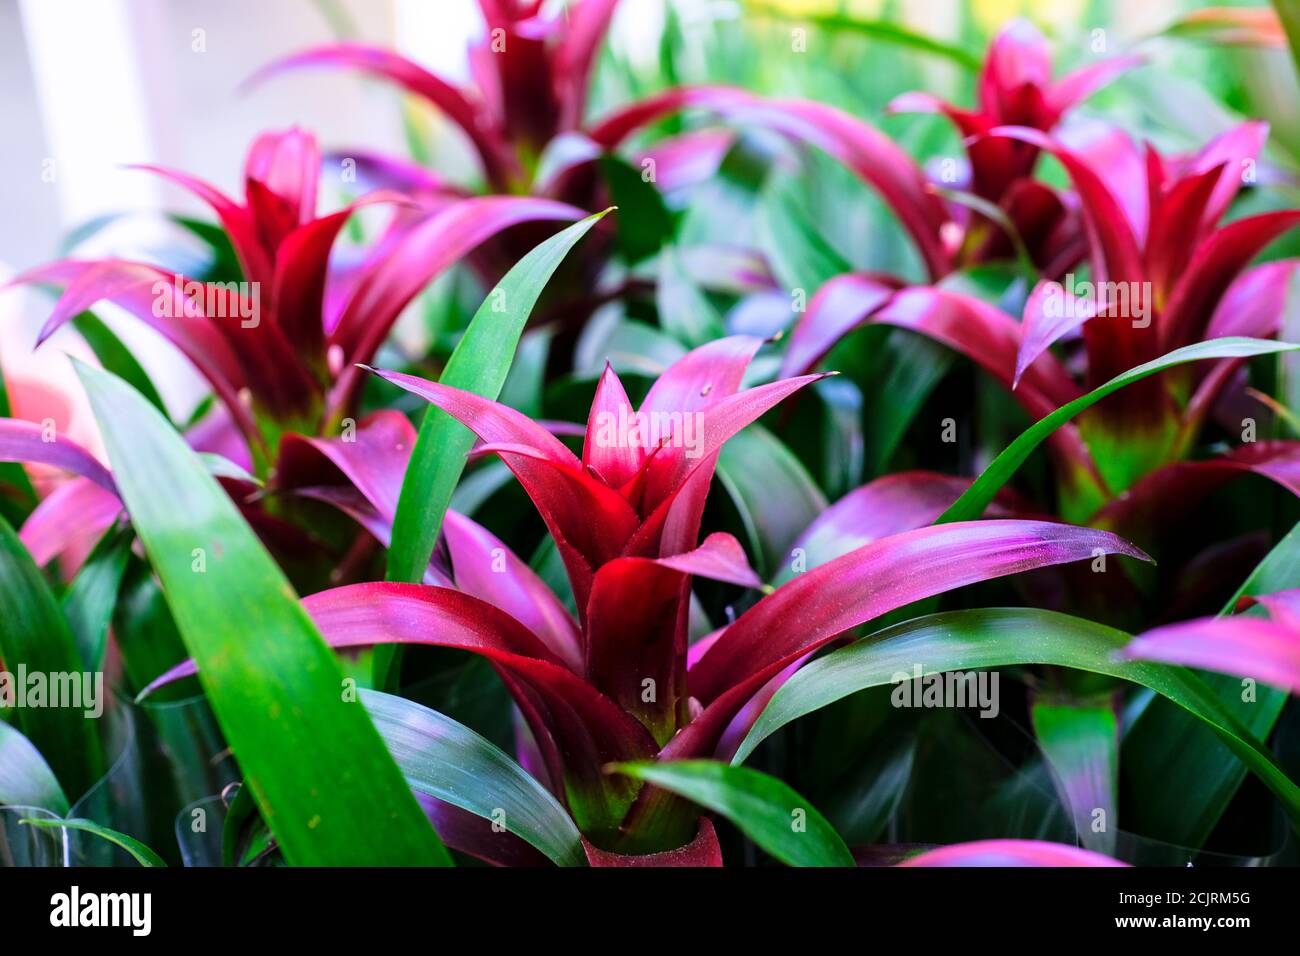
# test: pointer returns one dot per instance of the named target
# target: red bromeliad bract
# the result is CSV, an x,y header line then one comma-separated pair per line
x,y
1015,88
279,348
620,683
1164,275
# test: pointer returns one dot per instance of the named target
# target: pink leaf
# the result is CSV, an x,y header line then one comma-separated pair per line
x,y
1011,853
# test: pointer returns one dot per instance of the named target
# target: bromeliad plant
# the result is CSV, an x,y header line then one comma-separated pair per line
x,y
316,566
620,683
1165,276
1006,210
531,72
279,346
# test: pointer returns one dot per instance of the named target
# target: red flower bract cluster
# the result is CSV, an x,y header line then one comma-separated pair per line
x,y
638,660
622,683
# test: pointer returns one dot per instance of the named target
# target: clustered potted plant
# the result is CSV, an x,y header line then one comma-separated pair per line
x,y
693,534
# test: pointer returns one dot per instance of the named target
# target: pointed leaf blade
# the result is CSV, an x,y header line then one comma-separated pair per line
x,y
330,792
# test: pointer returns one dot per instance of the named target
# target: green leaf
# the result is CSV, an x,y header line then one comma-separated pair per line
x,y
1288,11
885,30
26,780
146,634
116,357
684,311
631,347
142,854
447,760
221,467
801,257
34,636
1000,637
758,470
861,800
1181,776
767,811
330,792
243,828
89,601
524,386
1081,744
897,370
980,494
1279,571
644,222
480,365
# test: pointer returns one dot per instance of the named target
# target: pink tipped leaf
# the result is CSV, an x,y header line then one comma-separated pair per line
x,y
69,520
575,56
692,445
861,147
301,269
1162,498
1019,61
987,336
234,218
1051,313
889,505
497,160
636,627
1254,304
819,605
878,577
697,381
841,305
485,568
1112,346
1235,153
1176,227
23,441
1113,238
1282,606
281,174
1267,651
999,853
589,520
417,256
606,449
373,459
1075,87
1213,267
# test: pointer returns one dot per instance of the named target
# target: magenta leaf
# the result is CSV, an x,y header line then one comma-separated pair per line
x,y
861,147
1213,266
71,518
418,255
1266,651
1011,853
497,160
24,441
879,577
987,336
